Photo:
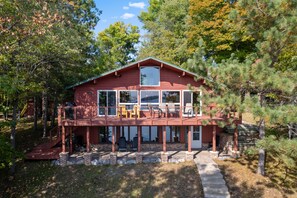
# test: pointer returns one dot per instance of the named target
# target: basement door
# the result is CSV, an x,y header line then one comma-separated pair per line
x,y
196,136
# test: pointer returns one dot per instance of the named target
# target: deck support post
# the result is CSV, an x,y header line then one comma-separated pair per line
x,y
189,153
113,139
214,134
164,154
88,139
190,138
139,138
63,139
164,138
70,140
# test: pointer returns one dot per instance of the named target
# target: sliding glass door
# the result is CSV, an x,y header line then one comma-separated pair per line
x,y
107,99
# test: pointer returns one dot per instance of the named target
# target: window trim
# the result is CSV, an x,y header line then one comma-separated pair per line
x,y
175,103
98,105
123,103
140,103
149,85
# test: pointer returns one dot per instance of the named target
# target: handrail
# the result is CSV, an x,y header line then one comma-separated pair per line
x,y
95,111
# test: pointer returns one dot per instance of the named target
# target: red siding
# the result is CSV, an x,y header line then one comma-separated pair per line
x,y
207,133
86,94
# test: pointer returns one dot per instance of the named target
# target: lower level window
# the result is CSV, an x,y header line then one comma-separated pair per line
x,y
172,134
105,134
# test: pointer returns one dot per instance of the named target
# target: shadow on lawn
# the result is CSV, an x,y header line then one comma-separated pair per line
x,y
142,180
243,190
150,180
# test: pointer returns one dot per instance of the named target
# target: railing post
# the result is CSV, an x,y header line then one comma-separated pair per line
x,y
181,114
75,110
64,113
59,116
136,113
121,113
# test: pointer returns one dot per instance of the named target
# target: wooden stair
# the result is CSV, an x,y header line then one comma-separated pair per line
x,y
46,151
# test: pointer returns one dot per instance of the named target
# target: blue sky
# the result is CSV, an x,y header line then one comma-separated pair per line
x,y
120,10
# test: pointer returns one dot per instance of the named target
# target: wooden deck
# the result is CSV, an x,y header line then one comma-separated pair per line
x,y
115,121
88,116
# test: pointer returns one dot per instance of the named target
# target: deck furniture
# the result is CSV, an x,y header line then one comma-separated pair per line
x,y
135,111
122,144
188,110
124,111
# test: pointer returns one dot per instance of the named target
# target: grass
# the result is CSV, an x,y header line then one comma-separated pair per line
x,y
242,180
143,180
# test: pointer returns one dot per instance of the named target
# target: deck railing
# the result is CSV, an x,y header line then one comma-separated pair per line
x,y
147,112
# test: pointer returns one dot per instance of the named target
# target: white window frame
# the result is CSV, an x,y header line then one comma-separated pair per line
x,y
98,113
175,103
149,85
140,103
123,103
200,112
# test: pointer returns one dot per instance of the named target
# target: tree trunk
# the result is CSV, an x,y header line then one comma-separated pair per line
x,y
44,112
261,163
13,131
35,113
54,112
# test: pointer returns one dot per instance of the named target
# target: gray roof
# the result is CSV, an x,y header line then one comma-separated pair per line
x,y
129,65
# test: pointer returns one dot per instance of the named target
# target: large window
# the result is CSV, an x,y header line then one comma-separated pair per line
x,y
170,96
128,98
172,134
150,134
107,99
150,76
149,98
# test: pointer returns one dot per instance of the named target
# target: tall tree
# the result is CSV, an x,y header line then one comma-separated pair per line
x,y
274,25
209,20
117,44
26,30
165,22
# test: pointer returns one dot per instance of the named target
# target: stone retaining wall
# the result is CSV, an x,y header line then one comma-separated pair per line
x,y
144,147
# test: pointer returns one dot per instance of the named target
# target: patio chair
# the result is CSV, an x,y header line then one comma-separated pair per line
x,y
135,111
122,144
171,108
162,110
188,109
135,144
124,111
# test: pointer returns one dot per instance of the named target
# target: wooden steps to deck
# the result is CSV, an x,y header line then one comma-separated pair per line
x,y
46,151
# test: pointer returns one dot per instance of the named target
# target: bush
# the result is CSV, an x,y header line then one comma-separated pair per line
x,y
6,152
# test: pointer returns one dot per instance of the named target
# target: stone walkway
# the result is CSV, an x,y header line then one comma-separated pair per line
x,y
212,180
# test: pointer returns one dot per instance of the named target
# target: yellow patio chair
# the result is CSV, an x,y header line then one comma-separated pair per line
x,y
124,111
135,110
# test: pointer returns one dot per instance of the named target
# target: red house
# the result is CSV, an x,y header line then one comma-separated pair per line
x,y
152,102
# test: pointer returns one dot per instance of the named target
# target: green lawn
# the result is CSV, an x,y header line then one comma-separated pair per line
x,y
144,180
